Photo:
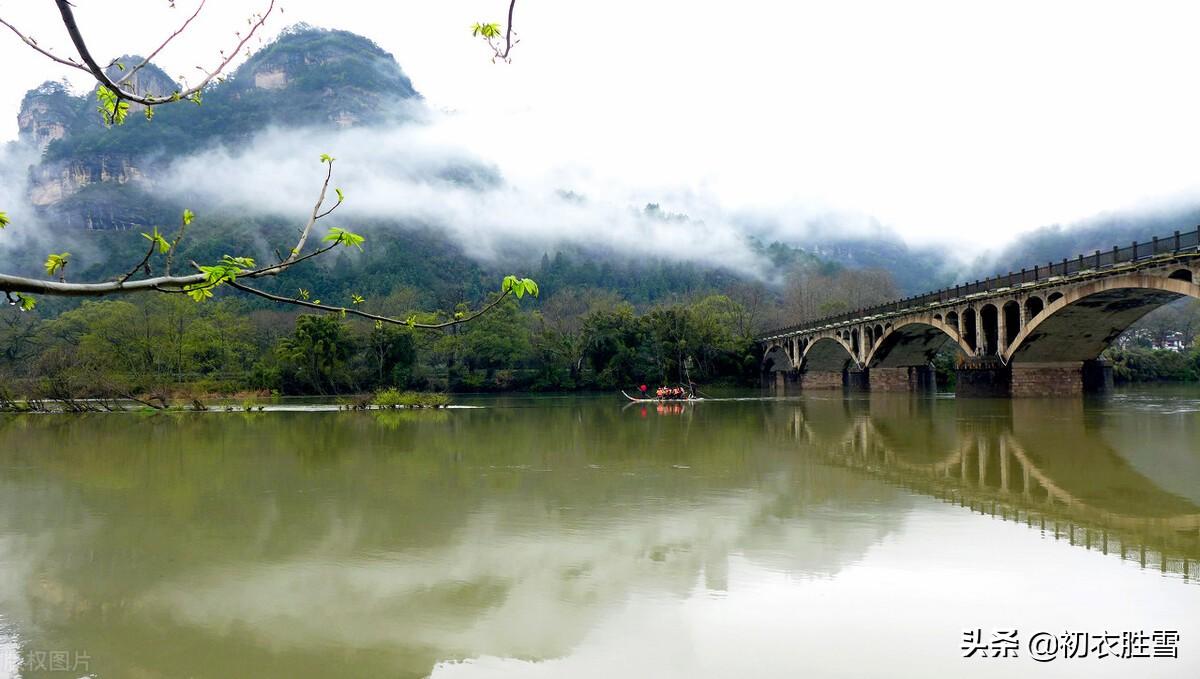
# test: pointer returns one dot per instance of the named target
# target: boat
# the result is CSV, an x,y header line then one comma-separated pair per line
x,y
689,399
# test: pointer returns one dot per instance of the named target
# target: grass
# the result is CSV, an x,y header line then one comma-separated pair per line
x,y
394,398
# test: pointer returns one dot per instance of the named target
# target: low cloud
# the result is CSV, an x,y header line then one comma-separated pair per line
x,y
15,160
415,174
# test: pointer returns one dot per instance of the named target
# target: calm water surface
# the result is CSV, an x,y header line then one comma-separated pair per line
x,y
574,537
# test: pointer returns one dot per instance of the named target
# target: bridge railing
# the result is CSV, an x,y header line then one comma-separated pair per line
x,y
1177,243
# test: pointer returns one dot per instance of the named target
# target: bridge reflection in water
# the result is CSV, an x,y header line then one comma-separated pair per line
x,y
1047,464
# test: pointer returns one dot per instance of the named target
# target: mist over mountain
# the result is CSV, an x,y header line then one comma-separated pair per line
x,y
246,160
1055,242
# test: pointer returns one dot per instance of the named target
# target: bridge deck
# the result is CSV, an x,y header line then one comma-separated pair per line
x,y
1100,263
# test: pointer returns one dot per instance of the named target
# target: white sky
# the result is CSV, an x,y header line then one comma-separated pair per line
x,y
947,121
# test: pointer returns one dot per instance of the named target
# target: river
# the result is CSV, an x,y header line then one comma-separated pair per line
x,y
818,536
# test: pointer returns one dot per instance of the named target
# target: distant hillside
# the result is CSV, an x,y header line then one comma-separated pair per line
x,y
1102,232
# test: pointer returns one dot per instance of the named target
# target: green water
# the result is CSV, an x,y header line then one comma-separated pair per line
x,y
575,537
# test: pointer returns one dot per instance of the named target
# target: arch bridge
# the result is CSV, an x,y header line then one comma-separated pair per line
x,y
1036,332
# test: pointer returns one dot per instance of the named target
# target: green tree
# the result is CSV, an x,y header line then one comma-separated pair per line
x,y
393,354
315,355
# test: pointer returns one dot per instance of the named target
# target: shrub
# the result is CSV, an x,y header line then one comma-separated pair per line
x,y
394,398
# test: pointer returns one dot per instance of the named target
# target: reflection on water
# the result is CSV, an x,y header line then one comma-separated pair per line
x,y
575,537
1049,463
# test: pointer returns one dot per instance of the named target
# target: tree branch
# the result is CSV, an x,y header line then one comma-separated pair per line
x,y
171,37
363,314
33,44
68,17
10,283
174,242
149,254
167,282
508,43
293,257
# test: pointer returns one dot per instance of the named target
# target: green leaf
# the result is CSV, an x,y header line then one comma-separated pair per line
x,y
303,294
120,66
112,108
188,216
341,196
222,272
4,221
326,158
158,240
344,237
238,262
519,286
199,292
56,263
25,302
488,30
149,111
357,299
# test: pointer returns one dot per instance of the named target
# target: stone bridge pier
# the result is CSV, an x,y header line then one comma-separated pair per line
x,y
1039,332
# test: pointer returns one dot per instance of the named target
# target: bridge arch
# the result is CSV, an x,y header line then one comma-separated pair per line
x,y
1034,305
989,322
1011,313
970,330
1083,322
828,354
913,343
777,359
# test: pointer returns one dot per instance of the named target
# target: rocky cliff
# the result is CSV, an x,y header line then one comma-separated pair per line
x,y
307,77
45,115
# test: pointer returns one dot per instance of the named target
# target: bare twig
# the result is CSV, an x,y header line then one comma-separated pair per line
x,y
37,48
489,35
168,282
158,49
363,314
90,64
175,242
141,264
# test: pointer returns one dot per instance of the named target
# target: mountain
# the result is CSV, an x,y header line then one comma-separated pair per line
x,y
95,187
92,178
308,77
